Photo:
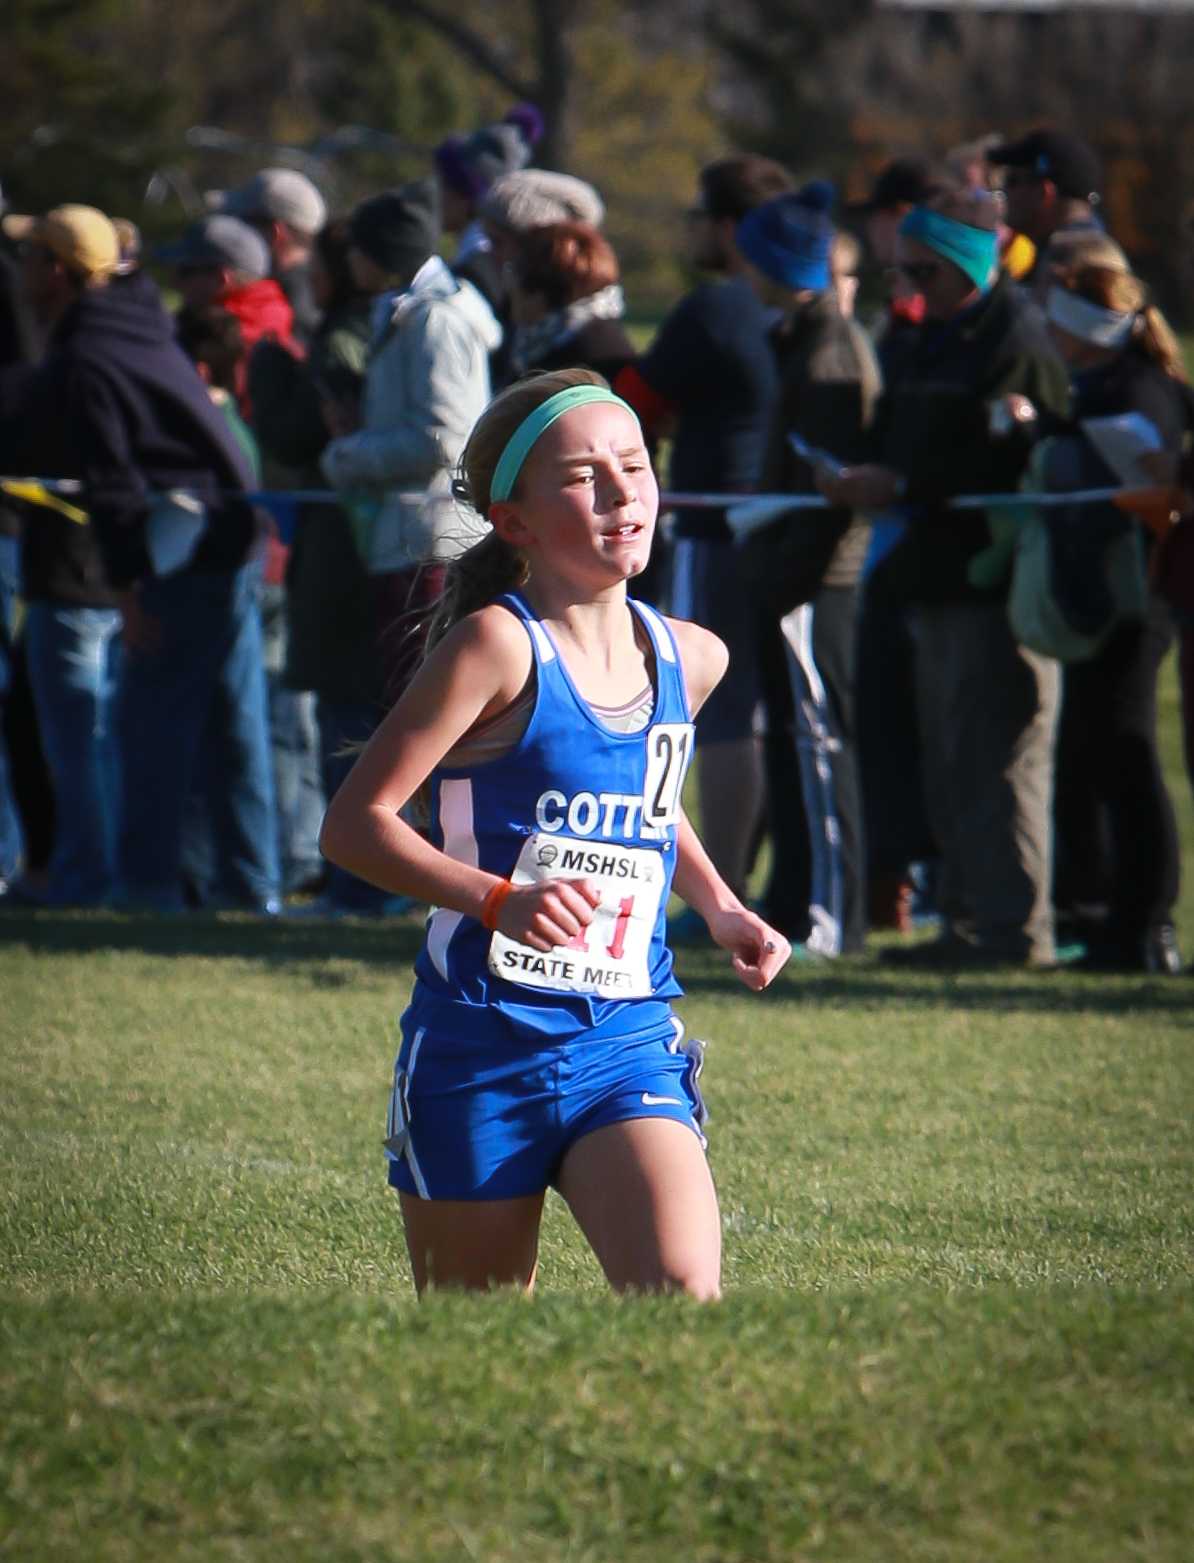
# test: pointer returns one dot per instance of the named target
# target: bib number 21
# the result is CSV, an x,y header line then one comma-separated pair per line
x,y
669,750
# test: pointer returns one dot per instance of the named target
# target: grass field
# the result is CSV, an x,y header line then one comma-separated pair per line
x,y
959,1314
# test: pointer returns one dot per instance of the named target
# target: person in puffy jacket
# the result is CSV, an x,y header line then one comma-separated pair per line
x,y
426,385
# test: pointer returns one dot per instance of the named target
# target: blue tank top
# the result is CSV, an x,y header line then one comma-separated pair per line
x,y
575,800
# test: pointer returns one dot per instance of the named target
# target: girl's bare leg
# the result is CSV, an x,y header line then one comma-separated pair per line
x,y
643,1195
472,1244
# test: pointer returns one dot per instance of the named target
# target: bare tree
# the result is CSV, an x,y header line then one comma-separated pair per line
x,y
549,78
776,51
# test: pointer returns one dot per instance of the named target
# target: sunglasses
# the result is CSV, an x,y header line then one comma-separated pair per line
x,y
919,272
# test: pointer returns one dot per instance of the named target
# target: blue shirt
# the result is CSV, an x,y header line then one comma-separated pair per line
x,y
572,799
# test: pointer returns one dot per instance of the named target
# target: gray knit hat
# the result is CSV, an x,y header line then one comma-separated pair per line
x,y
537,197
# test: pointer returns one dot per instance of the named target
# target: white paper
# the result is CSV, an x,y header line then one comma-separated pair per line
x,y
1119,440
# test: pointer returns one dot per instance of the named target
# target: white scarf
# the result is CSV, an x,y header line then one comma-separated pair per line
x,y
1088,321
536,342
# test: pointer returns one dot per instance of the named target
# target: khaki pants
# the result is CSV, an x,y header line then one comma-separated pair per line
x,y
989,711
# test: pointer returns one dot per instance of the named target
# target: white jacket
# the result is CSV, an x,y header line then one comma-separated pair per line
x,y
427,384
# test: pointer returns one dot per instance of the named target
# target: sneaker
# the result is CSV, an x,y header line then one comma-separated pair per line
x,y
1161,953
1156,952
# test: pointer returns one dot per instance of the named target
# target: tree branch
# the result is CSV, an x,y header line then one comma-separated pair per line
x,y
470,44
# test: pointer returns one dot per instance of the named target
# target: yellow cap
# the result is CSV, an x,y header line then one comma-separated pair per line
x,y
80,236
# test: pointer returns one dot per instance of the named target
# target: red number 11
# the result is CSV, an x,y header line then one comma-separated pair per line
x,y
618,943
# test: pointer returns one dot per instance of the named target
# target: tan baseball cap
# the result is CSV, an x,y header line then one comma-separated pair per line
x,y
80,236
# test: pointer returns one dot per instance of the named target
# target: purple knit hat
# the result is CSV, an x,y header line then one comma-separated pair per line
x,y
470,163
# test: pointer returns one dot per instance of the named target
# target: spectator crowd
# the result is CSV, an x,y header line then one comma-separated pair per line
x,y
223,532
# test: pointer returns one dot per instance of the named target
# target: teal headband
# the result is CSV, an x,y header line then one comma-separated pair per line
x,y
972,250
532,426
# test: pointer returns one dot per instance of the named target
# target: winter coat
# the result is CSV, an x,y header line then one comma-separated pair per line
x,y
829,385
264,315
427,384
263,310
139,420
60,557
932,425
586,334
601,345
295,282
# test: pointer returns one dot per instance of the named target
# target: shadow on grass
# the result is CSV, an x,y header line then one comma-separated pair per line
x,y
279,941
867,983
394,943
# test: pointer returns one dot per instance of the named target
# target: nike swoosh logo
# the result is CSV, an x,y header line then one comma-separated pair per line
x,y
657,1101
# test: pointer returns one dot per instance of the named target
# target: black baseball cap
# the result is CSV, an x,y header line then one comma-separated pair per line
x,y
906,182
1072,164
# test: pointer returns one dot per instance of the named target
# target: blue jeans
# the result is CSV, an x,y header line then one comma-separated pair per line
x,y
73,656
12,841
294,734
194,711
344,722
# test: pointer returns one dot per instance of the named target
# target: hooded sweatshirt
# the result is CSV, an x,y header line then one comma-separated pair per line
x,y
427,384
265,314
139,420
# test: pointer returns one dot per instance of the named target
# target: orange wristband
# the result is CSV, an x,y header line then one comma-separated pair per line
x,y
493,903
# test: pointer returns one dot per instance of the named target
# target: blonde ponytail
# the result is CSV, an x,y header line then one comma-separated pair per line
x,y
1158,341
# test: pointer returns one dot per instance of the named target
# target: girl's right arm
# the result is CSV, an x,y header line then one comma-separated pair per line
x,y
476,671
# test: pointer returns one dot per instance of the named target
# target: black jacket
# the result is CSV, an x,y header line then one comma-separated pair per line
x,y
295,282
1134,383
829,385
601,345
139,419
329,593
485,274
60,557
932,426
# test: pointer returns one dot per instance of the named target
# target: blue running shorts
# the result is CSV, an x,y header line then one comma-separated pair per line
x,y
493,1121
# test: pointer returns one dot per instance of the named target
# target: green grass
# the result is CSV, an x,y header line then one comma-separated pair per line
x,y
959,1255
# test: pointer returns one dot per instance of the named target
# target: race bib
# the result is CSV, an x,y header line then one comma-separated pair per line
x,y
611,957
669,750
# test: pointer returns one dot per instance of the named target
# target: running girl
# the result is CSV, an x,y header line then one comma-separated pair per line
x,y
553,719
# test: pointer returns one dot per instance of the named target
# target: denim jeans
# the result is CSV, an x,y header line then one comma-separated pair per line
x,y
343,723
294,735
12,841
194,711
73,657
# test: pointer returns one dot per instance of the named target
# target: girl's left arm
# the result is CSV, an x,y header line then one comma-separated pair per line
x,y
760,951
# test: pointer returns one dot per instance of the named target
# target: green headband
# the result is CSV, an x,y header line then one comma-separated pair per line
x,y
532,426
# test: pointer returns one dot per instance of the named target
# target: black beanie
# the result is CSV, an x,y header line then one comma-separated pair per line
x,y
398,229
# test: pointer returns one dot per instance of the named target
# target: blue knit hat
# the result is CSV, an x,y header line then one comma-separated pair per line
x,y
789,241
